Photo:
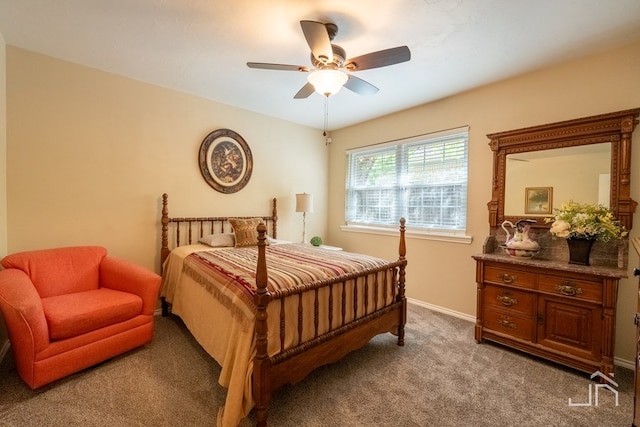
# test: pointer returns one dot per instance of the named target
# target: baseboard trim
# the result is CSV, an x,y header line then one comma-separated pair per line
x,y
444,310
623,363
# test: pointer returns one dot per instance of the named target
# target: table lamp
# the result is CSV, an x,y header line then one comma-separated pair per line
x,y
304,204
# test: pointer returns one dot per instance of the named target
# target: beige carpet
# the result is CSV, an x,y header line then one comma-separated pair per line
x,y
441,377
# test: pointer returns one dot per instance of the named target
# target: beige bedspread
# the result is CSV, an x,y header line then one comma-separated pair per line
x,y
211,289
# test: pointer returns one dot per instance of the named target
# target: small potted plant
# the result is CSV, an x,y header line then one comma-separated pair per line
x,y
583,224
316,241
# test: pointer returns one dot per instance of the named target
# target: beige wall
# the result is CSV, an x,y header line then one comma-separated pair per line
x,y
443,274
90,154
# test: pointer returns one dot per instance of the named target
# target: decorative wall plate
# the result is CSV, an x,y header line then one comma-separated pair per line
x,y
225,161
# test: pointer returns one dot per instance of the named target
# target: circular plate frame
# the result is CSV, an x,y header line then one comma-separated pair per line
x,y
225,161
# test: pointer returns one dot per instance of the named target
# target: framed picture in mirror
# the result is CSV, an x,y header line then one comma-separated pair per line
x,y
538,200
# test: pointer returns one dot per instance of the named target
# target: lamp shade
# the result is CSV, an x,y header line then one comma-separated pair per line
x,y
304,202
327,82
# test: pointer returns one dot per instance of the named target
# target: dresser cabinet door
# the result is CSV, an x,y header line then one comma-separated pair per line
x,y
570,326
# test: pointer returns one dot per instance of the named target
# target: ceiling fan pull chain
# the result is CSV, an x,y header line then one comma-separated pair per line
x,y
326,114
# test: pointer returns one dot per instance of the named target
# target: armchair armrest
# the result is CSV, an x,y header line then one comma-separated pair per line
x,y
23,314
125,276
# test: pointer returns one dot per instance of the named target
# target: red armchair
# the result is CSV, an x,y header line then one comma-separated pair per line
x,y
70,308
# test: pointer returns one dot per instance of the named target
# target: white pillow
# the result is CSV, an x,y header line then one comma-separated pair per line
x,y
218,240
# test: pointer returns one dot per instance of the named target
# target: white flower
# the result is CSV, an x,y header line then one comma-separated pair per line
x,y
560,228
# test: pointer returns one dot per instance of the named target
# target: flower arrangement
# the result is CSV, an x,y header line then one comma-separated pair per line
x,y
585,221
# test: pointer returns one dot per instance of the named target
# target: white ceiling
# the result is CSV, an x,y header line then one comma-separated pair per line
x,y
201,47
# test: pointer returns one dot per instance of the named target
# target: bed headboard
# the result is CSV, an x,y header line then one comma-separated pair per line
x,y
187,231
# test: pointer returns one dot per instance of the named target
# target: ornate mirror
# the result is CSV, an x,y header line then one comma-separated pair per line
x,y
588,160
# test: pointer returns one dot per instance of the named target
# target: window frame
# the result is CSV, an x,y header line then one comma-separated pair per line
x,y
457,235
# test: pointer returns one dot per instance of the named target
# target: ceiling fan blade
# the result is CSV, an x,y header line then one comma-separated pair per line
x,y
283,67
381,58
318,40
360,86
305,91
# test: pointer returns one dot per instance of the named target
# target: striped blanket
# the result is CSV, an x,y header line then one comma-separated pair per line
x,y
229,273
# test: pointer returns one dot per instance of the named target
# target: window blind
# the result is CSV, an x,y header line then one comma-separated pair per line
x,y
423,179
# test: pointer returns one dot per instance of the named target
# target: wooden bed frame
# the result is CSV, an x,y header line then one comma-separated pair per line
x,y
294,364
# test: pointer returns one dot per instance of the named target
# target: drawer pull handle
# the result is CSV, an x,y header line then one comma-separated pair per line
x,y
506,323
507,300
507,278
568,289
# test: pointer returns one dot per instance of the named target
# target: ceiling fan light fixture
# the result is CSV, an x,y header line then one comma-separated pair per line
x,y
327,82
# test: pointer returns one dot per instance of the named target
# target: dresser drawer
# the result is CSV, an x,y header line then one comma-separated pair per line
x,y
508,299
506,276
568,287
512,324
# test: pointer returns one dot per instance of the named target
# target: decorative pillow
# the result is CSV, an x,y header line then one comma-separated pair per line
x,y
245,231
218,240
272,241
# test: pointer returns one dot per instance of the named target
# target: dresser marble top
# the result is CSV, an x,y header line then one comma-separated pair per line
x,y
596,270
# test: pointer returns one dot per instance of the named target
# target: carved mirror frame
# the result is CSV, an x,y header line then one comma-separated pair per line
x,y
614,128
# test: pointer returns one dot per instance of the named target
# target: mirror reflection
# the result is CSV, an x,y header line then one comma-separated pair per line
x,y
538,181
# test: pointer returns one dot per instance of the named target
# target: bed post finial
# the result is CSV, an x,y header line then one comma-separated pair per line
x,y
402,251
274,214
262,362
164,223
164,250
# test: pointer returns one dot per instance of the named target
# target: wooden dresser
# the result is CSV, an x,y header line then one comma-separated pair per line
x,y
544,305
552,309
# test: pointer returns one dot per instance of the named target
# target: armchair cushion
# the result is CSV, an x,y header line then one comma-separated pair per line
x,y
75,314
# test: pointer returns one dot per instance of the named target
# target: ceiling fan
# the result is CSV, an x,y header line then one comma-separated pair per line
x,y
331,70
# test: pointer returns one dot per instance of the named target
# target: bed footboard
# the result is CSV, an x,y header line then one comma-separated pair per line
x,y
351,331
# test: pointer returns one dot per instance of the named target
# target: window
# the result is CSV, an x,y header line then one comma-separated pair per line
x,y
423,179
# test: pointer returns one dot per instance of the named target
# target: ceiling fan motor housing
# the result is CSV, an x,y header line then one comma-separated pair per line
x,y
332,30
339,55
